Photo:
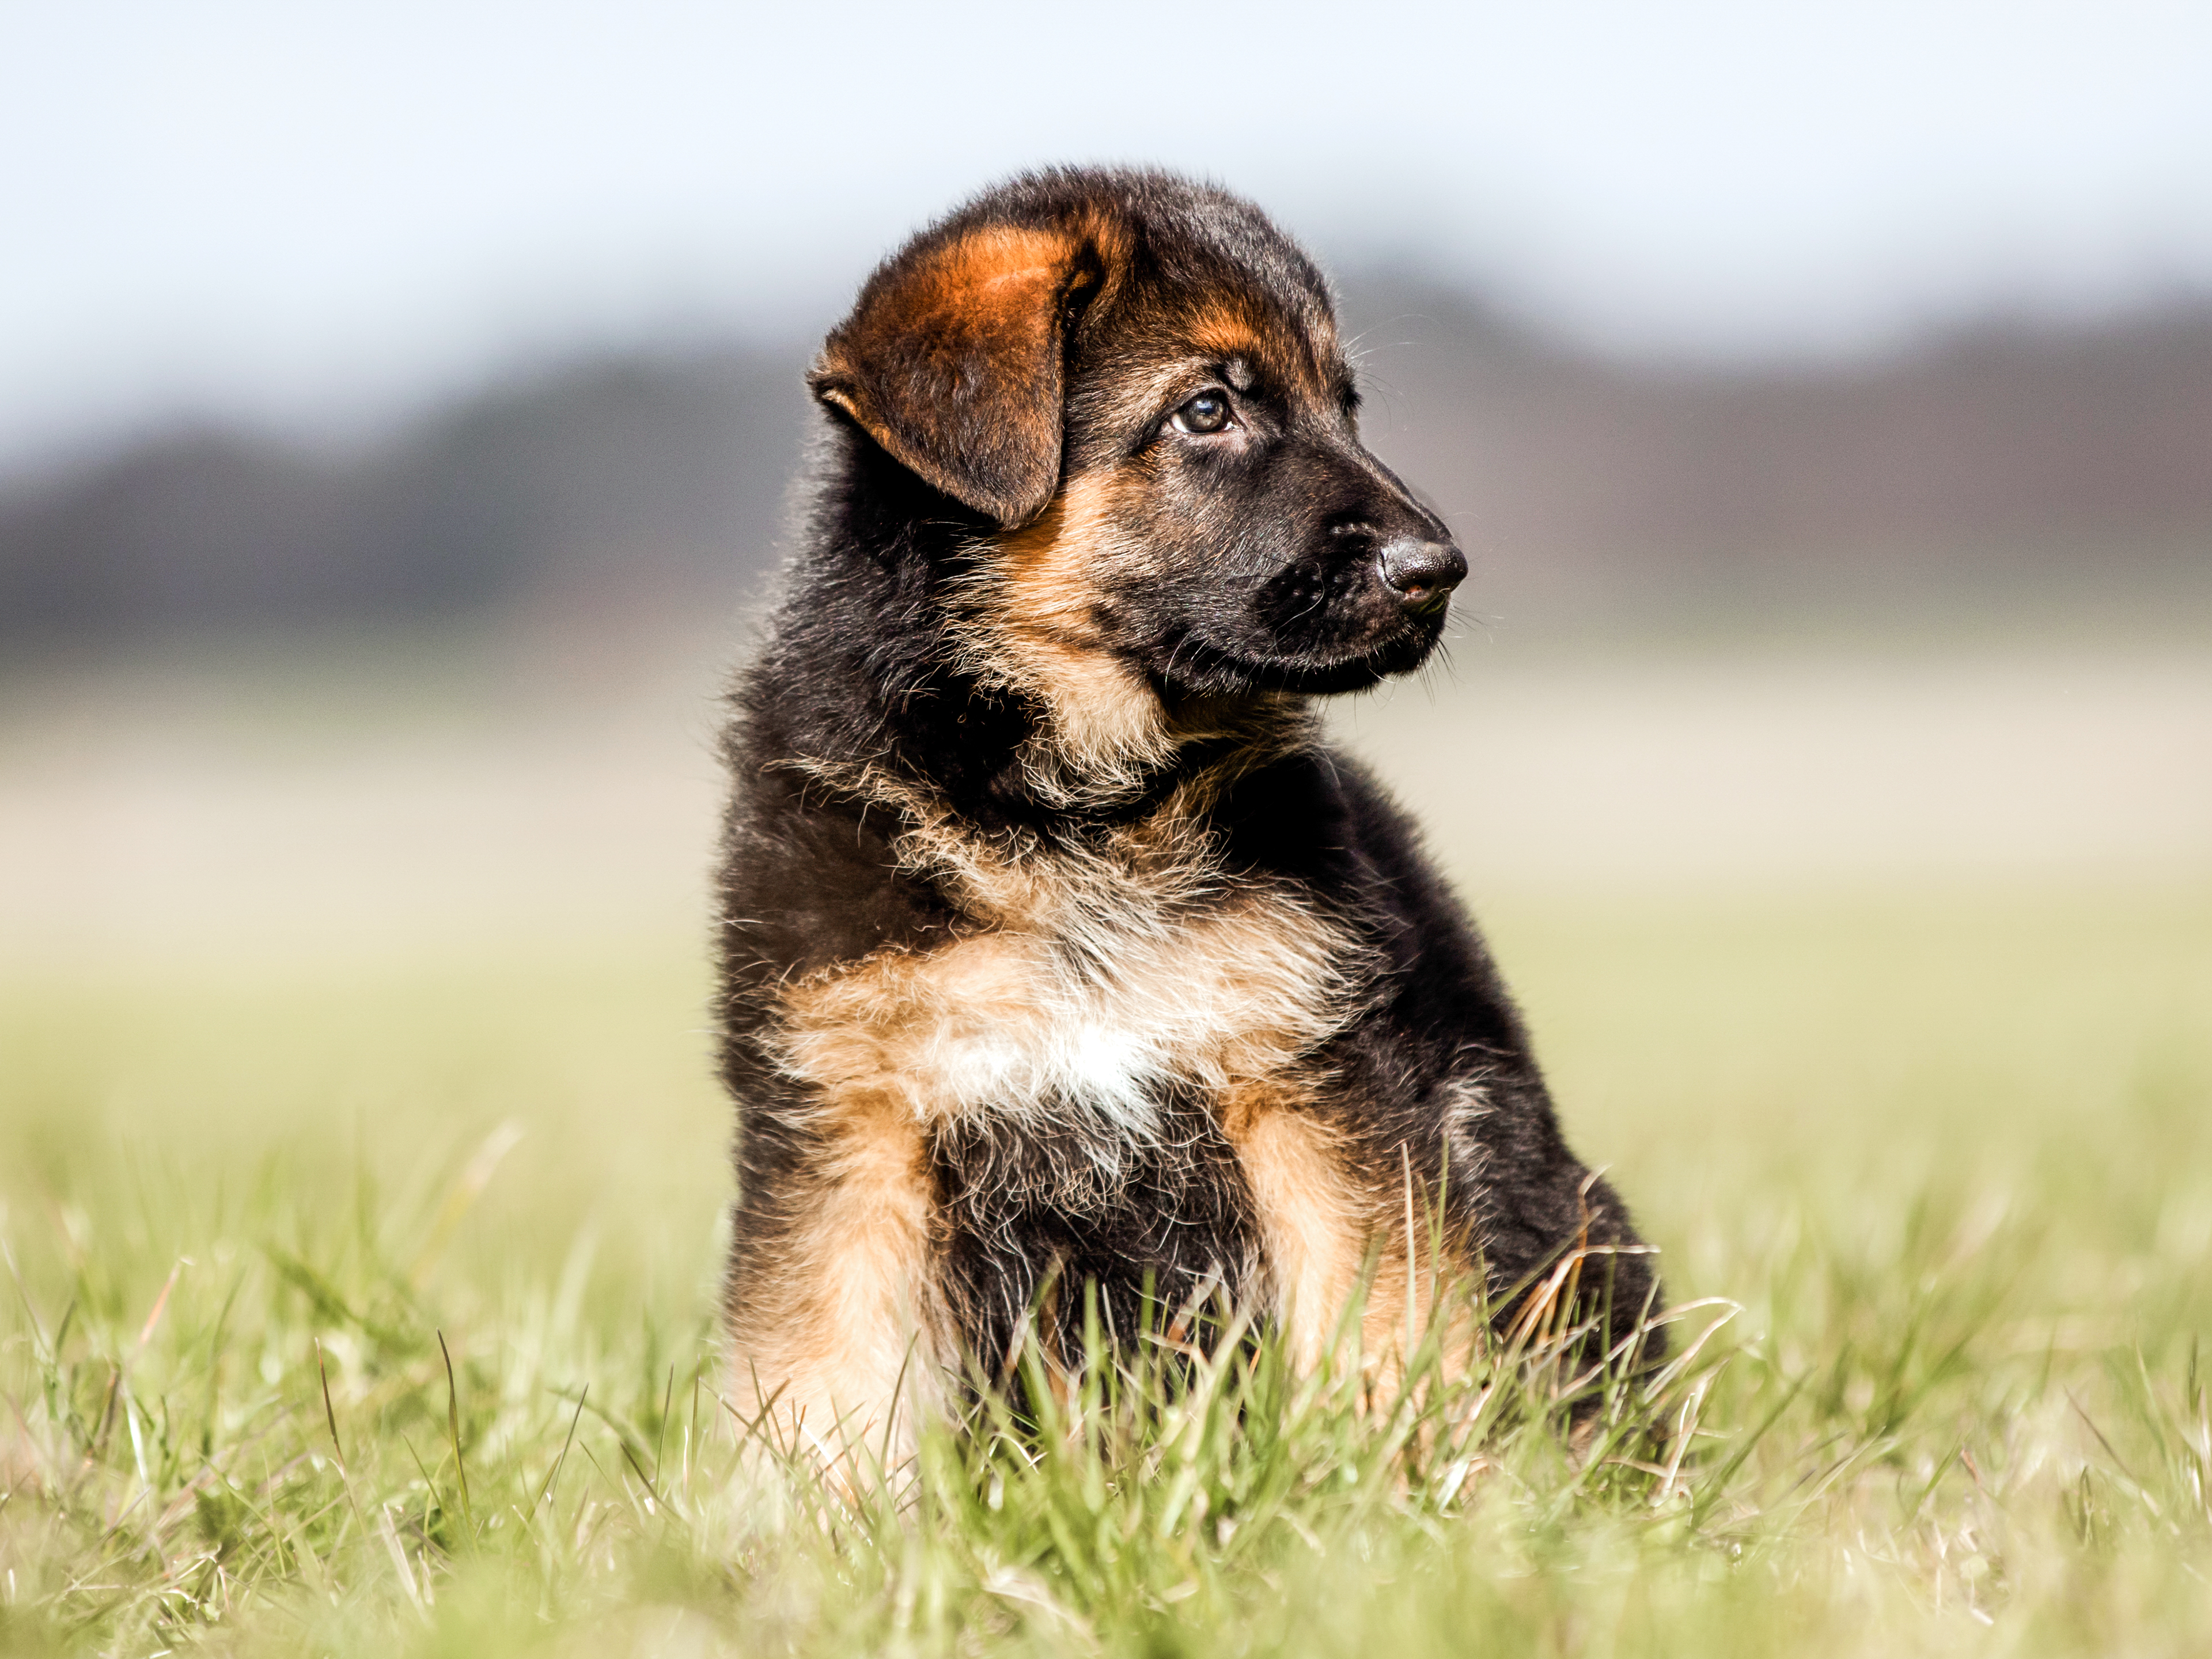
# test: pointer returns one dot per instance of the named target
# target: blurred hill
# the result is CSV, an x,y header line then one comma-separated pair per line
x,y
2006,462
631,484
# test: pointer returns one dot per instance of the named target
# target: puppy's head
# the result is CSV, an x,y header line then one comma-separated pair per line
x,y
1138,380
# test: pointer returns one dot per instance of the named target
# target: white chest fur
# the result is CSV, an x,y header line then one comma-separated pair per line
x,y
1087,1015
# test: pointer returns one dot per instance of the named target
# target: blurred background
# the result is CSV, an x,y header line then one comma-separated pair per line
x,y
399,407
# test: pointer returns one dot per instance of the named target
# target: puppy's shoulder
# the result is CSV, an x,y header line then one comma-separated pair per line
x,y
1319,816
1323,819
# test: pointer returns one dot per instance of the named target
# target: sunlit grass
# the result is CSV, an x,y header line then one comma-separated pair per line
x,y
306,1349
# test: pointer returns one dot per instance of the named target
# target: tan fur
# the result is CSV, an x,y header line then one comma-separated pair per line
x,y
1232,326
1325,1235
824,1358
1315,1225
1422,1274
1038,624
1229,325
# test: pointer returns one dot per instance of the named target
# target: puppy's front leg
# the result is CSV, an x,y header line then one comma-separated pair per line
x,y
830,1300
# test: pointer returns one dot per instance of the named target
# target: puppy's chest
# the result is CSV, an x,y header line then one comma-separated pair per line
x,y
1076,1017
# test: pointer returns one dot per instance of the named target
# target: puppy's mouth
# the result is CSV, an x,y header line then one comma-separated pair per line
x,y
1211,667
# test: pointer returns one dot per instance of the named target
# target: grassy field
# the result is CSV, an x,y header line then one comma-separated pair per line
x,y
360,1303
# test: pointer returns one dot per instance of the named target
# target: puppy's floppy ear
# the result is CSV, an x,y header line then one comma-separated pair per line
x,y
951,360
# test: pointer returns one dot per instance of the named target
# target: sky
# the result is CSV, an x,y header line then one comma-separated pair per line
x,y
291,211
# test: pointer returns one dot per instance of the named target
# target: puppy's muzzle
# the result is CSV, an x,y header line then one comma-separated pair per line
x,y
1421,573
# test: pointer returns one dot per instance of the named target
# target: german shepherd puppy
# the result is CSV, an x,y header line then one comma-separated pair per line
x,y
1058,950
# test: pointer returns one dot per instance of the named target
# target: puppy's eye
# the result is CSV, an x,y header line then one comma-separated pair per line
x,y
1206,412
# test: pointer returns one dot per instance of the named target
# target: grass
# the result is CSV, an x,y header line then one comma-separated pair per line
x,y
367,1311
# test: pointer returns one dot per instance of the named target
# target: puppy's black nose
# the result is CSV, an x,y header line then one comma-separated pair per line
x,y
1424,573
